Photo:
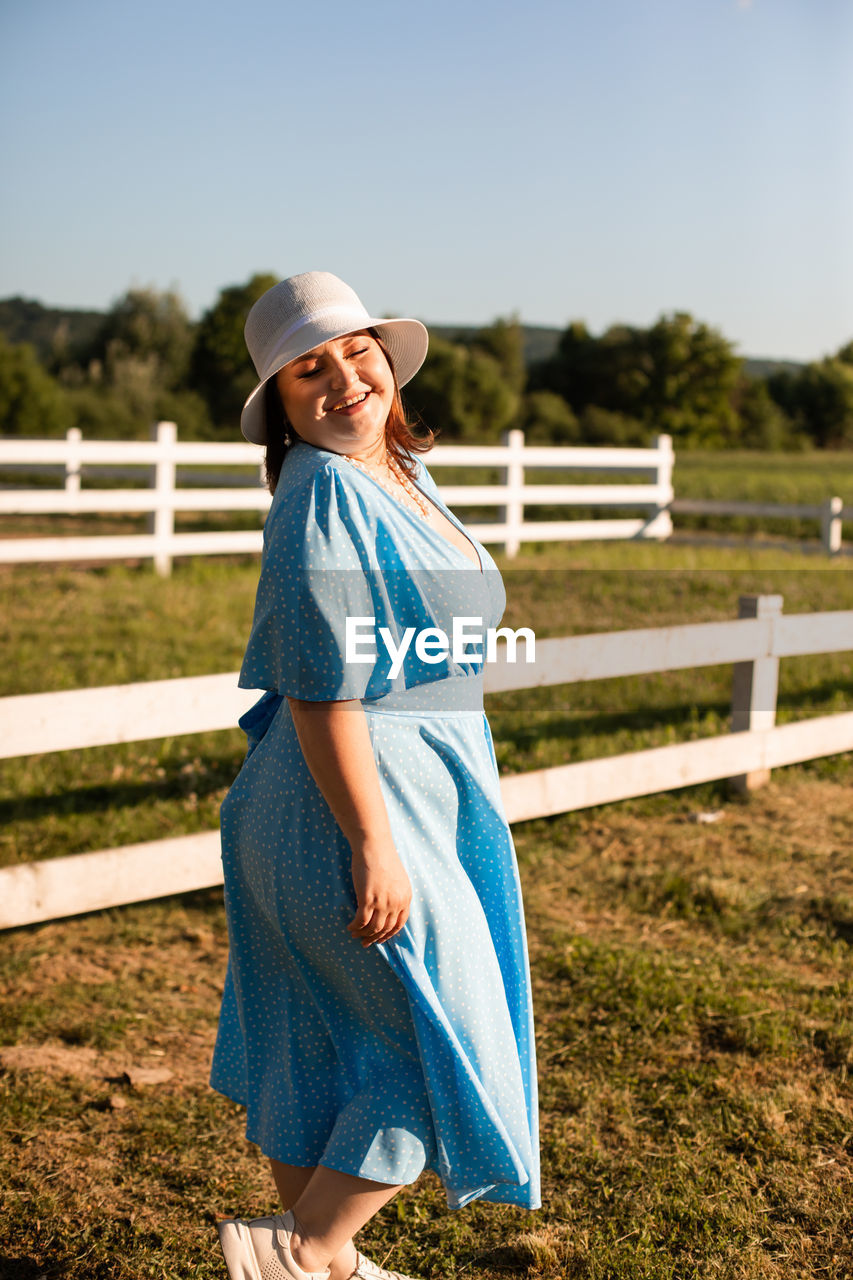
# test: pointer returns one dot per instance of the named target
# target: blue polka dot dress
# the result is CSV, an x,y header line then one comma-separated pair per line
x,y
418,1052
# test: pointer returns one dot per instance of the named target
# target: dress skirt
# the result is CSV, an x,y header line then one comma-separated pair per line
x,y
418,1052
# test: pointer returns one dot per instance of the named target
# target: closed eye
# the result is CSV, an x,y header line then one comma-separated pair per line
x,y
315,369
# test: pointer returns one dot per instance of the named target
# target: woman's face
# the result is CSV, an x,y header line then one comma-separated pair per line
x,y
339,395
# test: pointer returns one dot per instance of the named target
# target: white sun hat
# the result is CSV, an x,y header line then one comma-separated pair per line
x,y
305,311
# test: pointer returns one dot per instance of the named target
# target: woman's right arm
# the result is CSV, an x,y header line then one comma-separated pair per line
x,y
336,744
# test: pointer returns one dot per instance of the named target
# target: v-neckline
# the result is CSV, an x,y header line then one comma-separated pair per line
x,y
411,514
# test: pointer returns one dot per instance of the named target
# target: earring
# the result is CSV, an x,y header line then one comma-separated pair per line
x,y
286,438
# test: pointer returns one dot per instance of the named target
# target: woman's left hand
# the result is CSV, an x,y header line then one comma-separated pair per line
x,y
384,895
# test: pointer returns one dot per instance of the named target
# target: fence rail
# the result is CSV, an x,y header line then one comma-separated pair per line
x,y
829,514
166,490
163,497
754,643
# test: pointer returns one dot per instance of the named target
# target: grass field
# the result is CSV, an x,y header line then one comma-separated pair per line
x,y
692,980
692,995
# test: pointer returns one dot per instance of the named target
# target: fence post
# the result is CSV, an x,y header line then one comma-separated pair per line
x,y
512,475
660,525
161,521
830,525
754,687
72,460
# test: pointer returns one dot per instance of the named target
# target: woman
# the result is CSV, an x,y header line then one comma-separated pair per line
x,y
376,1018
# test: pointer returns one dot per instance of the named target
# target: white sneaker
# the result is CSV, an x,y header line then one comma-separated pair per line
x,y
260,1249
367,1270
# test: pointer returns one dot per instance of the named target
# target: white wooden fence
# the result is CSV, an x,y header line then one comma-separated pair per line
x,y
828,514
162,456
754,643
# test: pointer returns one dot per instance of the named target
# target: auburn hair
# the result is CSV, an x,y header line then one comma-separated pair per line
x,y
402,437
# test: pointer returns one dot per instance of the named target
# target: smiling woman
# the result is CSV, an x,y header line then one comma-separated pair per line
x,y
340,394
376,1018
307,387
400,438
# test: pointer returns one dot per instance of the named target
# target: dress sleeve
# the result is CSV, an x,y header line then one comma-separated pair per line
x,y
316,571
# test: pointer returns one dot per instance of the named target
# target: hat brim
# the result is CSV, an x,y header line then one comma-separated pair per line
x,y
406,342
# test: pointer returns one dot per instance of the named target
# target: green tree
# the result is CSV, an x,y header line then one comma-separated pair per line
x,y
503,340
782,389
823,397
31,402
572,371
693,374
762,423
678,376
134,372
220,368
146,330
613,372
462,391
606,427
845,353
545,418
126,408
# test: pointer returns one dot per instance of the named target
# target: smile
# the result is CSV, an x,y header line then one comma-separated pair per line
x,y
351,403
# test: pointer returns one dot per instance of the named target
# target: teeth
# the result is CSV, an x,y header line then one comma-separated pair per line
x,y
345,404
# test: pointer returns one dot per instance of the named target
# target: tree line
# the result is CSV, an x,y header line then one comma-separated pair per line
x,y
145,360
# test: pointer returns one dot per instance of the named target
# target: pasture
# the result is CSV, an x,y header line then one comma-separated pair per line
x,y
692,978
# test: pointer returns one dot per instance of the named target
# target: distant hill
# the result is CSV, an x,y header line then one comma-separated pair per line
x,y
48,329
762,367
52,328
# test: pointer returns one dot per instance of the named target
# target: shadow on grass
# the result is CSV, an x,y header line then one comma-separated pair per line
x,y
104,797
579,724
20,1268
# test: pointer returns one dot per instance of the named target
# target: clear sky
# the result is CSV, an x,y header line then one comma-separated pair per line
x,y
456,160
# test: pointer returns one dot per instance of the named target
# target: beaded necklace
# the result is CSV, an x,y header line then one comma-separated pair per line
x,y
412,498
